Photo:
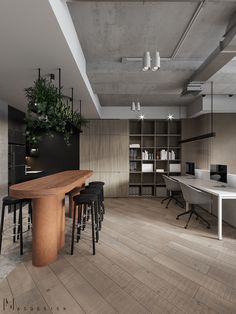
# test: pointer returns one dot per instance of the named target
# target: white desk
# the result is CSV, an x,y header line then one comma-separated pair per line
x,y
210,187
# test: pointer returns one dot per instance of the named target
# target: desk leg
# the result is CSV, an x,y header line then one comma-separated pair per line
x,y
46,229
219,218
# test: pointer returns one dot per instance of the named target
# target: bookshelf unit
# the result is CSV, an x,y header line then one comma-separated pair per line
x,y
153,136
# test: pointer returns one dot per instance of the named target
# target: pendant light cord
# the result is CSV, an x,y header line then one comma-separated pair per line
x,y
212,114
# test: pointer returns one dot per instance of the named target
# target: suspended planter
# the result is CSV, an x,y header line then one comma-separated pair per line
x,y
48,112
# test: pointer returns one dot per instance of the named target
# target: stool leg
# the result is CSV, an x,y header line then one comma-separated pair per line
x,y
18,227
93,237
103,206
88,213
96,221
29,215
84,216
100,213
73,231
21,230
14,223
79,222
1,226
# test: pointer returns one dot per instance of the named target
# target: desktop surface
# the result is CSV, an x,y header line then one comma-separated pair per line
x,y
208,186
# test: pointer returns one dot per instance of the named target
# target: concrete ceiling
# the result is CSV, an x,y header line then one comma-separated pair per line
x,y
32,37
111,30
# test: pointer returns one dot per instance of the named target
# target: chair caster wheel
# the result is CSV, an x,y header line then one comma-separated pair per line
x,y
185,227
208,227
177,218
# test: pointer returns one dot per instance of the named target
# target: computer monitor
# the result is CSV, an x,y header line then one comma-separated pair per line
x,y
218,173
190,168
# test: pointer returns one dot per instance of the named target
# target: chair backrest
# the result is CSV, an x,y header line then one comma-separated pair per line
x,y
171,184
194,196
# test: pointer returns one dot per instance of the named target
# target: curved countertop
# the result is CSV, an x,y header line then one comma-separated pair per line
x,y
58,183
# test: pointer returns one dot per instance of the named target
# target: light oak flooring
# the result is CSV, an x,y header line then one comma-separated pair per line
x,y
146,262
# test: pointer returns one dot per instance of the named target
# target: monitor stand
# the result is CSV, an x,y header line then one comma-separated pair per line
x,y
190,177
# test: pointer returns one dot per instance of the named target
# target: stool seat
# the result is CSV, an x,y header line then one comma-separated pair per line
x,y
85,198
8,200
97,183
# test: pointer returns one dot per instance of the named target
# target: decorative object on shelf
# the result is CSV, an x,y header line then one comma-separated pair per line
x,y
163,154
147,156
147,167
49,112
160,170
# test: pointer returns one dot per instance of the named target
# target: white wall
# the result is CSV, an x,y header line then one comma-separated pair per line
x,y
3,148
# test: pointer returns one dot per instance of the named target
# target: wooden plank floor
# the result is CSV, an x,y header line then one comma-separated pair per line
x,y
146,262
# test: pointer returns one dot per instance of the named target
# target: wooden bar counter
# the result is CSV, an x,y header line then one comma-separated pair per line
x,y
48,195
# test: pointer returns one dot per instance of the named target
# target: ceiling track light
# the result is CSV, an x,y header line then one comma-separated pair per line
x,y
135,106
138,106
156,61
146,61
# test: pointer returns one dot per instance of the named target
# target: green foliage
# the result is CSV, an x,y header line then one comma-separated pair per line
x,y
48,112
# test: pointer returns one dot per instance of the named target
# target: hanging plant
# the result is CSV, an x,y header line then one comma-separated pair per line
x,y
48,113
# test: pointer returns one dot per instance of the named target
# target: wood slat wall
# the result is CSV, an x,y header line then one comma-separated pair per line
x,y
218,150
104,148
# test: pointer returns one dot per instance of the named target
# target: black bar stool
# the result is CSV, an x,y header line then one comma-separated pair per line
x,y
97,214
101,184
80,202
11,201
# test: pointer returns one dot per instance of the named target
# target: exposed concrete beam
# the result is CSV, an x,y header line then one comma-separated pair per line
x,y
224,53
148,112
149,1
221,104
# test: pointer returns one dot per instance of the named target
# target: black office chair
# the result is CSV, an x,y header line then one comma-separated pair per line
x,y
194,197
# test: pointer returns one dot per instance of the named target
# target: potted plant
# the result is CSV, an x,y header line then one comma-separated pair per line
x,y
48,113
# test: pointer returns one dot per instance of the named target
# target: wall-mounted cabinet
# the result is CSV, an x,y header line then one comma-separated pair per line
x,y
154,150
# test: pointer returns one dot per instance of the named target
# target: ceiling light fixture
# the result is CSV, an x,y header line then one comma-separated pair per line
x,y
157,61
170,116
138,107
146,61
133,106
141,116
